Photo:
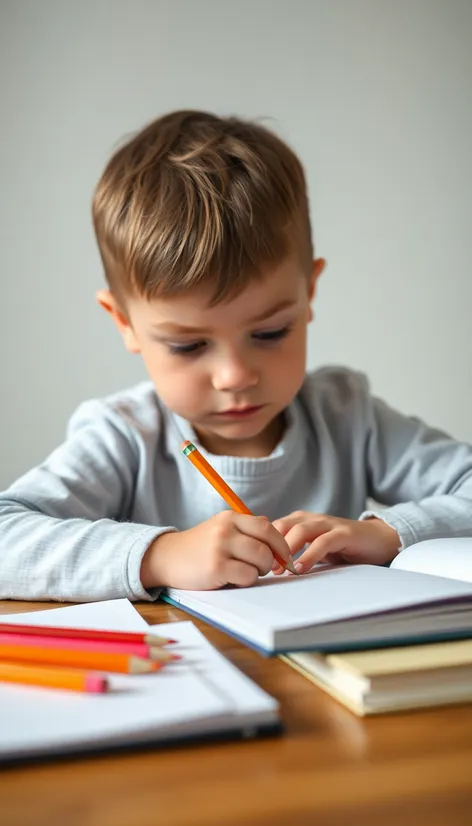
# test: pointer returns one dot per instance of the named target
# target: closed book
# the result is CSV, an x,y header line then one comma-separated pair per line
x,y
392,679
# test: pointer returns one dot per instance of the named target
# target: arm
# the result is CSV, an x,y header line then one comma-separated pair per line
x,y
60,531
63,534
421,474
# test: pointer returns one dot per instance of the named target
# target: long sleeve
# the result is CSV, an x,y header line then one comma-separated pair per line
x,y
63,533
421,474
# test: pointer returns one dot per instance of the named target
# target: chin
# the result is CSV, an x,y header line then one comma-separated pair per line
x,y
239,431
242,430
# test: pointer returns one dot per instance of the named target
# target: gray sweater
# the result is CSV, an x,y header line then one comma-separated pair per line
x,y
76,527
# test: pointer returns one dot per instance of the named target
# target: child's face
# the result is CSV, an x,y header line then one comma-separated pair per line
x,y
230,369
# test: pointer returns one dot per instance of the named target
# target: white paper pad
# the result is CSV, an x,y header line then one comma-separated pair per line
x,y
201,694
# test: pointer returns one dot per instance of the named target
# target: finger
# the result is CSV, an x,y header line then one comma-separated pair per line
x,y
284,524
333,542
304,532
253,552
260,528
240,573
277,569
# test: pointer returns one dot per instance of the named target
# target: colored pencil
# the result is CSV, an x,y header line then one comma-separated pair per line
x,y
121,663
47,677
84,634
62,643
198,460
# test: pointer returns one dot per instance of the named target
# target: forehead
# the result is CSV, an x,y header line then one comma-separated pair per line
x,y
281,288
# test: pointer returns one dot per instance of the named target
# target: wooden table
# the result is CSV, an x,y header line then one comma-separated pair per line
x,y
330,768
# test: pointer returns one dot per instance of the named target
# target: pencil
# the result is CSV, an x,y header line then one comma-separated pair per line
x,y
121,663
47,677
198,460
84,634
62,643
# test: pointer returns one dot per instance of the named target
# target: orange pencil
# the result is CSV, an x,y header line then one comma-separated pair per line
x,y
191,452
121,663
46,677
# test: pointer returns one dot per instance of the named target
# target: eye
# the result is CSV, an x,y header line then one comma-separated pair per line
x,y
189,349
272,335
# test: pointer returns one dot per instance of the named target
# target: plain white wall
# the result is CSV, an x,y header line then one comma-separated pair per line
x,y
374,94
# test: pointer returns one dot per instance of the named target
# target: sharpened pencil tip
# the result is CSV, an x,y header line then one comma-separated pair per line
x,y
291,567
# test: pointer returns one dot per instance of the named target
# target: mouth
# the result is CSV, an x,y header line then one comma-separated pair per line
x,y
240,412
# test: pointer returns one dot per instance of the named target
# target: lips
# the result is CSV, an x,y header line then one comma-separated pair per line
x,y
240,412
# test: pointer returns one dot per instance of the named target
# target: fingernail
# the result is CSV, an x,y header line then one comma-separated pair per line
x,y
298,566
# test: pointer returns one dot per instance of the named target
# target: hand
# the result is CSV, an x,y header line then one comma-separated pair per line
x,y
337,540
228,549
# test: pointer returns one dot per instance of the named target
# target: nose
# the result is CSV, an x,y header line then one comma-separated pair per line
x,y
233,373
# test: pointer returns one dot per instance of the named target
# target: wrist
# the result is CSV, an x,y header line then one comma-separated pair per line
x,y
153,564
390,539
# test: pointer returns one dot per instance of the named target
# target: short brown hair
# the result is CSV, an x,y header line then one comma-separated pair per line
x,y
194,198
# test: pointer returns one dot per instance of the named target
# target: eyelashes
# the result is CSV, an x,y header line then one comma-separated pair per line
x,y
265,337
186,349
273,335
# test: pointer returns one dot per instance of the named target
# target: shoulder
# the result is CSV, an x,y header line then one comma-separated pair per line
x,y
336,387
135,409
337,402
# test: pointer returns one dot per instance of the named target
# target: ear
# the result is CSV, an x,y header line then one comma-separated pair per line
x,y
318,266
107,300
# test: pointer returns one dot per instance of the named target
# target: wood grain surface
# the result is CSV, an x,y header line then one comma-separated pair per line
x,y
329,767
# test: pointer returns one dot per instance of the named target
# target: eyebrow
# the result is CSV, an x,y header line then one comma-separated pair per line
x,y
170,327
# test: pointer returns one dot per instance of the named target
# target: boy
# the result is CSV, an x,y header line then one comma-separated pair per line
x,y
203,229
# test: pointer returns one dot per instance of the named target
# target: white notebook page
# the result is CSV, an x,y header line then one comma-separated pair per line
x,y
451,558
203,686
328,595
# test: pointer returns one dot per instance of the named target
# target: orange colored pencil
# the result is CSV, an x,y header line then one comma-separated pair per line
x,y
47,677
236,504
121,663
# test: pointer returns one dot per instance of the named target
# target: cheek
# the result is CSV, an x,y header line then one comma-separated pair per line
x,y
288,365
178,383
292,355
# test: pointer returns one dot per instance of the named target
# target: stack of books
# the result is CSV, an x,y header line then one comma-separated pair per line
x,y
378,639
383,680
392,679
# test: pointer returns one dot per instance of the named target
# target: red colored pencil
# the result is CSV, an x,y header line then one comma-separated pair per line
x,y
84,634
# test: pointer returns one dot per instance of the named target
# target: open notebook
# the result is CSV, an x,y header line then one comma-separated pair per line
x,y
202,695
351,606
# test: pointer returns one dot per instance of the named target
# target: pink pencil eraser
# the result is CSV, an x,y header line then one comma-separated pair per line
x,y
96,684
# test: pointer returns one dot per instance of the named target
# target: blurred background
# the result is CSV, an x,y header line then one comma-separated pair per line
x,y
375,96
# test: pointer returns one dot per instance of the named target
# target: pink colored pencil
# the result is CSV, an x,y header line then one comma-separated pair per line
x,y
62,643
